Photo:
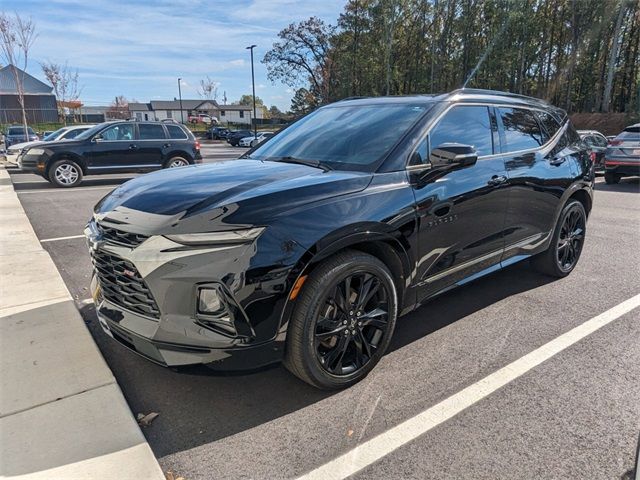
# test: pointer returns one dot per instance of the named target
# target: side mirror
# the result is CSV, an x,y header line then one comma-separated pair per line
x,y
453,155
98,138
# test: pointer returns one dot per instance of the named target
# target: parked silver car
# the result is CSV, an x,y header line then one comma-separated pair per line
x,y
622,158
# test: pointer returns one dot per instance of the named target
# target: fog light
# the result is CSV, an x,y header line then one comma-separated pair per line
x,y
209,301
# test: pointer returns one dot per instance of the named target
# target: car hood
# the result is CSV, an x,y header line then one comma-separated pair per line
x,y
234,192
20,146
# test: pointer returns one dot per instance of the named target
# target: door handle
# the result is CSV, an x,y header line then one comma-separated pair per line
x,y
133,146
497,180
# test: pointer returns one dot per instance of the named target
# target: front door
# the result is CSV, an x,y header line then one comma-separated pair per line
x,y
113,149
461,212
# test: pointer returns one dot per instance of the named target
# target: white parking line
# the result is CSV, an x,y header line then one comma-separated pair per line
x,y
385,443
61,238
63,190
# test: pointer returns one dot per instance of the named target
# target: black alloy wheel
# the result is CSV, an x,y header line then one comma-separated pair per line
x,y
563,253
343,320
571,238
353,321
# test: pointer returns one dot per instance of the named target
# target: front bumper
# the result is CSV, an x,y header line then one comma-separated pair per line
x,y
30,163
164,326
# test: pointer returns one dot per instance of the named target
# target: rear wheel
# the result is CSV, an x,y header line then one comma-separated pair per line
x,y
343,321
611,178
175,162
563,254
65,173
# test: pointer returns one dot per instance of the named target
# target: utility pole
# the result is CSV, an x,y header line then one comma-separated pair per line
x,y
180,97
253,86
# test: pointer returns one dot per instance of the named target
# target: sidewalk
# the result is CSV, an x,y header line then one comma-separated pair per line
x,y
62,414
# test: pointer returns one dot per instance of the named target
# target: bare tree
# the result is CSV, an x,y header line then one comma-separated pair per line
x,y
16,38
208,89
119,108
64,81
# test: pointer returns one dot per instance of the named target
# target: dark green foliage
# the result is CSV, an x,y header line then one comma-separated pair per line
x,y
560,50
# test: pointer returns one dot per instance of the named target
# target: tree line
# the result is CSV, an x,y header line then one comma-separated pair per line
x,y
582,55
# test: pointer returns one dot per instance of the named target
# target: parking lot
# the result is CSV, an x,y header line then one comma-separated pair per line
x,y
576,415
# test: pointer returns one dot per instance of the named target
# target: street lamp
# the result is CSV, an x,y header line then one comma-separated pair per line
x,y
253,86
180,96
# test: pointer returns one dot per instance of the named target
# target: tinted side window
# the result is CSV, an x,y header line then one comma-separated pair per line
x,y
151,131
72,134
549,123
469,125
122,131
176,132
521,129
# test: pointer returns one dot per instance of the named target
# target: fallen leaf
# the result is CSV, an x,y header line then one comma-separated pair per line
x,y
145,420
349,433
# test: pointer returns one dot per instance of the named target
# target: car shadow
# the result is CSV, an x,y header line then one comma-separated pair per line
x,y
198,406
88,182
631,184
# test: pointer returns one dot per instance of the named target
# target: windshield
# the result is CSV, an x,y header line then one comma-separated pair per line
x,y
343,137
53,135
90,133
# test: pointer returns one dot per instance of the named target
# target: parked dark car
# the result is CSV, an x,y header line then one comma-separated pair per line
x,y
622,158
113,147
15,134
218,133
596,142
309,247
234,137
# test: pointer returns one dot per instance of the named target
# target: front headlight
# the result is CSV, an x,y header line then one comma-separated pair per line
x,y
35,151
231,237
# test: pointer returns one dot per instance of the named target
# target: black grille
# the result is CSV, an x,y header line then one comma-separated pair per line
x,y
120,237
122,284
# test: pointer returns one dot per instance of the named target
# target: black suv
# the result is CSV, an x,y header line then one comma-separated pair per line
x,y
309,248
113,147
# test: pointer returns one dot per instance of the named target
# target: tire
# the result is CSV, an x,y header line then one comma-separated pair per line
x,y
65,174
176,161
611,178
567,242
333,342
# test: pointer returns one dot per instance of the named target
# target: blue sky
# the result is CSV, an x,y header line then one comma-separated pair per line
x,y
139,48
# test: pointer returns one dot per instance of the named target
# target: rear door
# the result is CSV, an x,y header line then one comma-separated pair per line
x,y
152,144
541,164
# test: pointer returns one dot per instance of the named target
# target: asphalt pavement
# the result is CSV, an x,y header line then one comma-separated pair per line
x,y
576,415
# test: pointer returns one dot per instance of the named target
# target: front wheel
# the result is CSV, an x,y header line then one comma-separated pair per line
x,y
65,174
343,321
563,254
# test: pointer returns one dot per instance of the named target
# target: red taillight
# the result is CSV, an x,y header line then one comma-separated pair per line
x,y
613,143
592,156
197,145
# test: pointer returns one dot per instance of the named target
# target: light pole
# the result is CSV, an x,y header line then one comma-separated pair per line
x,y
180,96
253,86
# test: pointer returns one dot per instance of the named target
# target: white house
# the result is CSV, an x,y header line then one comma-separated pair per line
x,y
163,109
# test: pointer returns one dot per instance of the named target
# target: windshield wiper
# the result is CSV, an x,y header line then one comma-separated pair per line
x,y
301,161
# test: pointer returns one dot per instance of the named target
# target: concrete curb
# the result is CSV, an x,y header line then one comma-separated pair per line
x,y
62,414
